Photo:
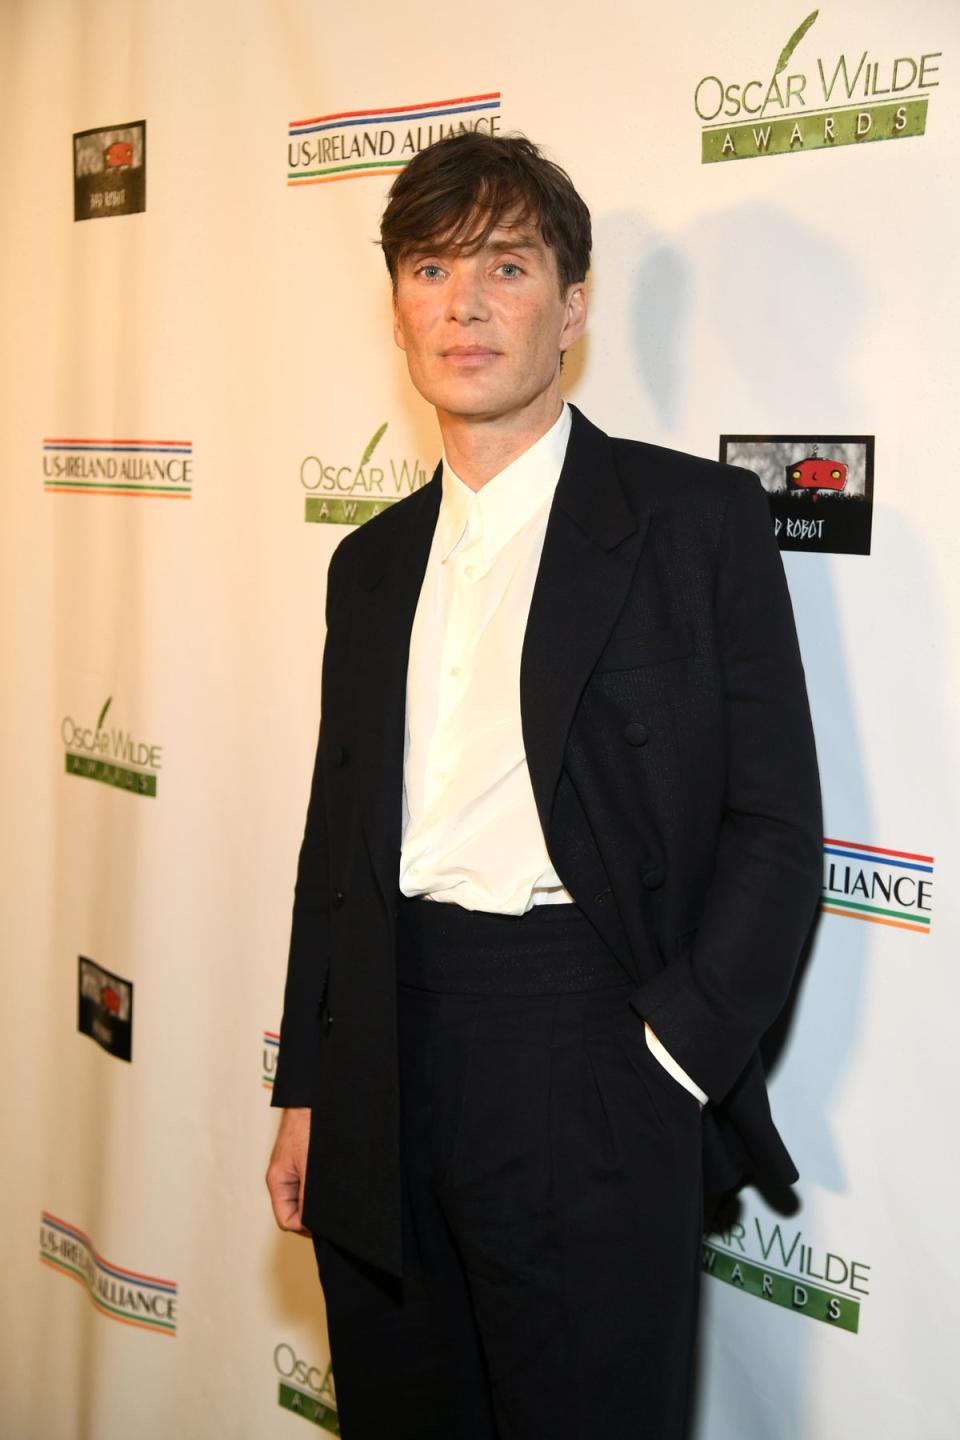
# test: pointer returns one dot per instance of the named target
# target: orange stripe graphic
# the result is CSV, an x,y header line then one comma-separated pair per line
x,y
876,920
121,1319
79,1234
106,440
354,175
136,494
399,110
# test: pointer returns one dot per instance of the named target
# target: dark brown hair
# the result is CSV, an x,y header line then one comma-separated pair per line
x,y
457,191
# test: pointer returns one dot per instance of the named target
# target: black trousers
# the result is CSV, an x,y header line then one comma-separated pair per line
x,y
552,1201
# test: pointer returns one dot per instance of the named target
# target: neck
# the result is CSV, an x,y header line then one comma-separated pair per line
x,y
479,448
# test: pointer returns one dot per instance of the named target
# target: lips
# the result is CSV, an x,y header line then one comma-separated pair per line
x,y
469,354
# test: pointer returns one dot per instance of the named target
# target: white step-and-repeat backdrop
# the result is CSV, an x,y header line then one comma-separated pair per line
x,y
200,393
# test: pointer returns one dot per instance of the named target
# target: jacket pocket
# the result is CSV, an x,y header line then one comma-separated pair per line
x,y
648,647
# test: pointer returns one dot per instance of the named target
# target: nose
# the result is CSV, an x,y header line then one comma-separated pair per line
x,y
465,293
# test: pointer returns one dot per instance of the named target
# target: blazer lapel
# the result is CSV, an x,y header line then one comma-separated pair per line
x,y
388,591
593,541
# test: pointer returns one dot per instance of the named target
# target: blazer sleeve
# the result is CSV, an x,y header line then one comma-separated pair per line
x,y
711,1005
309,955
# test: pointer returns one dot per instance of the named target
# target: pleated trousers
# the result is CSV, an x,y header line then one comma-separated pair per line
x,y
552,1201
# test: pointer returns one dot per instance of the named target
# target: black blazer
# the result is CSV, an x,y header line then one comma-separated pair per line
x,y
672,760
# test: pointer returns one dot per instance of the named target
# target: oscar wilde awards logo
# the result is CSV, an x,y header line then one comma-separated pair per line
x,y
147,468
339,494
113,755
142,1301
105,1008
805,101
881,886
355,143
306,1389
820,487
777,1264
110,171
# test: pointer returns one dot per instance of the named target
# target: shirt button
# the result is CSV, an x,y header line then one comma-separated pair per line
x,y
468,571
440,776
455,671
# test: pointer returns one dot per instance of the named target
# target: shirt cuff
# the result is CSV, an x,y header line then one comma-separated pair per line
x,y
659,1052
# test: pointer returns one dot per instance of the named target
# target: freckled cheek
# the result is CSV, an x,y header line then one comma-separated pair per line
x,y
417,319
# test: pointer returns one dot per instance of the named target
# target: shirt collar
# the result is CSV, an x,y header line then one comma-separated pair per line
x,y
501,508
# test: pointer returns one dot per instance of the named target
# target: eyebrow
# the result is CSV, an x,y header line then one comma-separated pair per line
x,y
530,242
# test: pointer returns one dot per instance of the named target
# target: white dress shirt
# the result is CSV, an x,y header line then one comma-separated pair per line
x,y
471,832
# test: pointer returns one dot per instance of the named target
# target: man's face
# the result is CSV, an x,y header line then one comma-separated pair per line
x,y
483,333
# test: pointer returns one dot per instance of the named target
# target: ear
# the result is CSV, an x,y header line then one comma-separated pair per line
x,y
575,315
398,335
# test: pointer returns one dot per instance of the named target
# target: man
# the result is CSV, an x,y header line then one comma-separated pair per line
x,y
561,853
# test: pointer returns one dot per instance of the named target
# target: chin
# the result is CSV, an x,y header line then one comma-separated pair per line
x,y
464,399
480,404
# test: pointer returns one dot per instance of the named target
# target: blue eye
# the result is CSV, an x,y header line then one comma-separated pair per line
x,y
430,272
510,268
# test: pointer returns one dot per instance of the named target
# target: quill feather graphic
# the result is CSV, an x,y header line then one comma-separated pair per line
x,y
794,41
100,717
375,439
787,51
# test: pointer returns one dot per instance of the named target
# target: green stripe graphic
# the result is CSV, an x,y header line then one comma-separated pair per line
x,y
345,169
841,904
789,1291
823,131
289,1398
131,485
148,1323
318,511
107,773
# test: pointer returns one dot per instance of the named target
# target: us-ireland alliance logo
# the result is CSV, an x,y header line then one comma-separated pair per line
x,y
143,1301
876,884
351,144
144,469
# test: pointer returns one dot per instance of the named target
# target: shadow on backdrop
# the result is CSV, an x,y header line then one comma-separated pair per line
x,y
779,302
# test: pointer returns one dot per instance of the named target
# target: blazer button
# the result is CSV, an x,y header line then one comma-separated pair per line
x,y
653,878
328,1022
341,755
636,734
338,899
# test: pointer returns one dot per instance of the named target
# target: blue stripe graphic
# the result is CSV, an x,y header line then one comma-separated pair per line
x,y
877,859
127,1275
388,119
126,449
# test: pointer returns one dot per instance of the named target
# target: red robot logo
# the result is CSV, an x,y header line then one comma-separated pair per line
x,y
119,155
816,474
110,1000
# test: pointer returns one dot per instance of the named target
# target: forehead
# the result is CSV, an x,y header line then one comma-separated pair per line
x,y
482,231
